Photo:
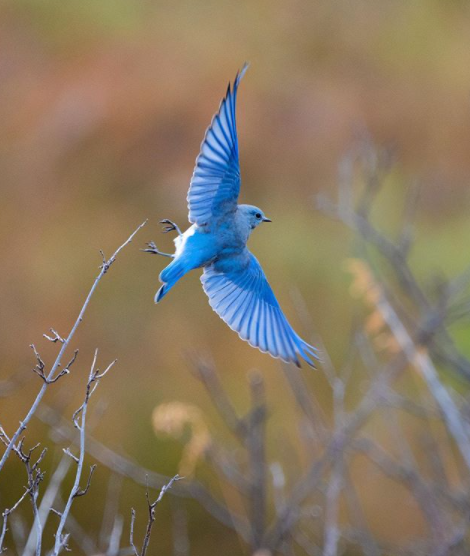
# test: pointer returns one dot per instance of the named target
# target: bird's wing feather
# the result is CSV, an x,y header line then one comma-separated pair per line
x,y
215,183
240,294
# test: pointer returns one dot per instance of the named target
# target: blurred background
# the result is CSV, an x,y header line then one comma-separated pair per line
x,y
103,107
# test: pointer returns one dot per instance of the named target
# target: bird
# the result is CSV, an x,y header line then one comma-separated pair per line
x,y
217,239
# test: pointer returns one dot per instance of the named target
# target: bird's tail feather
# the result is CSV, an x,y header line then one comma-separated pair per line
x,y
169,276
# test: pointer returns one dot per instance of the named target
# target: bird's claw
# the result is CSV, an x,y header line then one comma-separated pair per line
x,y
171,226
153,249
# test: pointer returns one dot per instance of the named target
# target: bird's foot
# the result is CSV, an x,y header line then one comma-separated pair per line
x,y
170,226
153,249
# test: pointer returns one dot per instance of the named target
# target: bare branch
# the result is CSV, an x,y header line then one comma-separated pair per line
x,y
56,337
93,381
82,492
69,453
34,476
255,443
39,368
205,372
78,534
421,360
332,531
47,501
6,513
151,518
131,533
52,373
125,467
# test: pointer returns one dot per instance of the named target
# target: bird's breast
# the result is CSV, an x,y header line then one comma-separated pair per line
x,y
232,234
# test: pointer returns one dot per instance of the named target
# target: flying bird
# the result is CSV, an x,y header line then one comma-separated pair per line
x,y
233,279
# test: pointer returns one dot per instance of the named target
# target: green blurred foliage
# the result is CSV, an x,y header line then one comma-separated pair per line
x,y
103,106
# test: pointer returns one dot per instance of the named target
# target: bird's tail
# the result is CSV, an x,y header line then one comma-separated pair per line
x,y
169,276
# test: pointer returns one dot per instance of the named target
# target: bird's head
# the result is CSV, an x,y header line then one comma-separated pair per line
x,y
252,215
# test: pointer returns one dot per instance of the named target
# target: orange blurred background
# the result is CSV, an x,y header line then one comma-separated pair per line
x,y
103,107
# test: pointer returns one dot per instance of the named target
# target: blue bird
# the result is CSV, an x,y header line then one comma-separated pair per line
x,y
233,279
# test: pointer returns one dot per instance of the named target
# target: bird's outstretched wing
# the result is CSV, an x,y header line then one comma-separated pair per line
x,y
241,295
215,183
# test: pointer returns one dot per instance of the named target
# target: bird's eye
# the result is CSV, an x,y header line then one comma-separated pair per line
x,y
258,215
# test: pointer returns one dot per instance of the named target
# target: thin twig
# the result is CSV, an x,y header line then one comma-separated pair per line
x,y
79,419
421,360
125,467
50,376
151,518
205,372
35,476
47,501
255,444
6,513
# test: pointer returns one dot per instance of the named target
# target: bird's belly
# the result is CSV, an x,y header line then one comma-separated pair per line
x,y
201,246
197,247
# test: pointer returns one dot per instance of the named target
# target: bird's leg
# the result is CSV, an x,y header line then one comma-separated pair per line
x,y
170,226
152,248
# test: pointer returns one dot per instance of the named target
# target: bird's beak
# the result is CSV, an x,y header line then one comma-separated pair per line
x,y
266,219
